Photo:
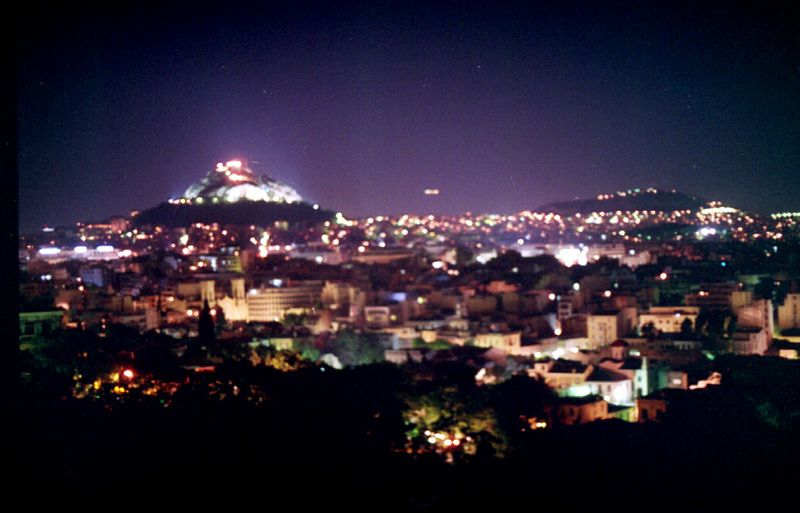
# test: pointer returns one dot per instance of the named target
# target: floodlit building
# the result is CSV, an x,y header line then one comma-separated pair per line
x,y
604,328
270,303
789,312
510,341
669,319
758,314
748,340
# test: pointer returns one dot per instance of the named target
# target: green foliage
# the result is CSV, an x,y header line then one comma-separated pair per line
x,y
419,343
520,398
76,352
649,330
457,410
285,360
306,348
292,319
356,348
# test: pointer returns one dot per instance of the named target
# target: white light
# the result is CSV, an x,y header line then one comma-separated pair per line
x,y
234,163
80,249
49,251
105,249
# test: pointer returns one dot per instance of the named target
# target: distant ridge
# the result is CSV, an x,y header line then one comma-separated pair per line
x,y
649,199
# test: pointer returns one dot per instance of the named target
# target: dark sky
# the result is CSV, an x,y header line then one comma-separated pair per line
x,y
362,106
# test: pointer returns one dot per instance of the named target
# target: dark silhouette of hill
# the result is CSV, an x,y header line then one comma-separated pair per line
x,y
260,213
663,201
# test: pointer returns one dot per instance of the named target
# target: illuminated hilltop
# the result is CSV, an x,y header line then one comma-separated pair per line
x,y
233,194
234,181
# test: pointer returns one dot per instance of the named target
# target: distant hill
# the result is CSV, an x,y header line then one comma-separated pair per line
x,y
665,201
259,213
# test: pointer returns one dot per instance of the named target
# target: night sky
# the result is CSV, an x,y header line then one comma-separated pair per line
x,y
362,106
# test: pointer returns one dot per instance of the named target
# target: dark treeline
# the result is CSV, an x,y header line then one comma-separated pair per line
x,y
335,438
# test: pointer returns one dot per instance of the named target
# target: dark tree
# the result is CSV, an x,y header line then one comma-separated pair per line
x,y
649,330
205,328
687,330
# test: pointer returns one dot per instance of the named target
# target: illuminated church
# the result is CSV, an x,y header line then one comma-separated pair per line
x,y
234,181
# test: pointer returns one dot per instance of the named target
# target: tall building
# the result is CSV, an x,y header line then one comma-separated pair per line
x,y
758,314
604,328
789,312
270,303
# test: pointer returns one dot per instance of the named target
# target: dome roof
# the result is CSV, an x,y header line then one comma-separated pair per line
x,y
235,181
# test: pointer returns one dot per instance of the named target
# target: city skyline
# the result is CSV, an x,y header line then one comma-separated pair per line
x,y
360,109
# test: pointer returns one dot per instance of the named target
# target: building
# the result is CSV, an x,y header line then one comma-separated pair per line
x,y
789,312
611,385
669,319
270,303
510,341
758,314
561,374
580,410
604,328
715,296
750,341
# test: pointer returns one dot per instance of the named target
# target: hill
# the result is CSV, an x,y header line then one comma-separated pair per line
x,y
650,199
260,213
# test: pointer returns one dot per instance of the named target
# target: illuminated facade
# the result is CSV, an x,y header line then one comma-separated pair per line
x,y
234,181
789,312
669,319
271,303
604,328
